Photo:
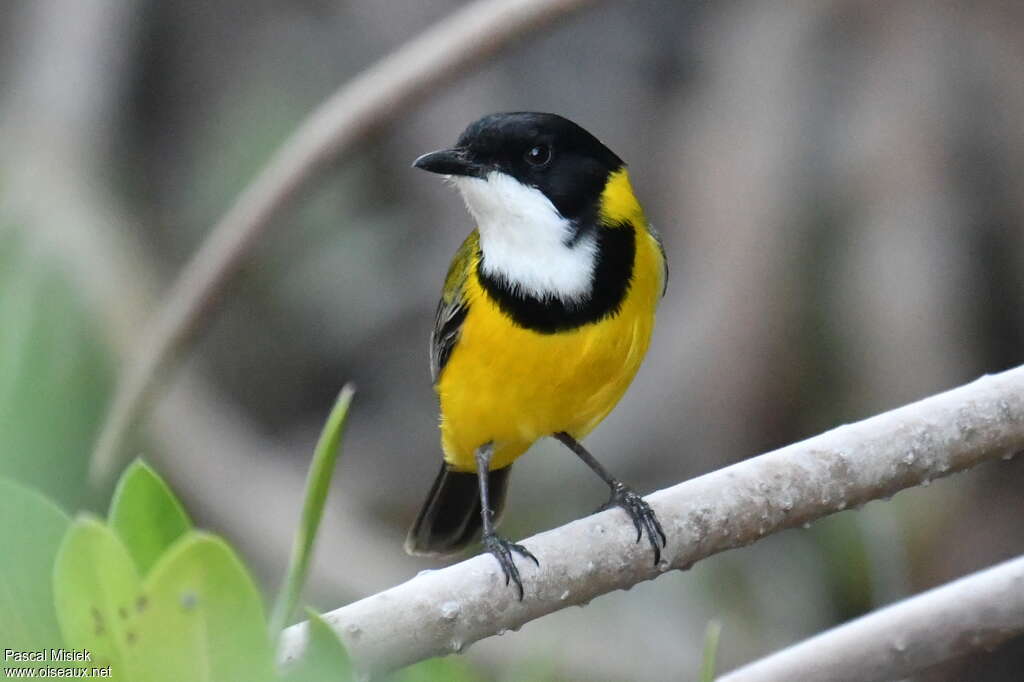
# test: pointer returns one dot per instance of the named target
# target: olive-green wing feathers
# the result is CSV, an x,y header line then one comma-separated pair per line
x,y
452,308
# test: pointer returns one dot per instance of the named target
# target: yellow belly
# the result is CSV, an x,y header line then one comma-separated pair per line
x,y
511,386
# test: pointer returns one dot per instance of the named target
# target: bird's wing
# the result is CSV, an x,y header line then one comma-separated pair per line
x,y
452,308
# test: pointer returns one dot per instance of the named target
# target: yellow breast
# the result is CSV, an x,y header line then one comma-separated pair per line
x,y
511,386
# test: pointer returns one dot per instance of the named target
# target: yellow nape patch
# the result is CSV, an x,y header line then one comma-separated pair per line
x,y
618,203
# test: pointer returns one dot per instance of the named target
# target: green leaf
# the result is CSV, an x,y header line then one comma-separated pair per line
x,y
317,485
98,595
707,668
31,528
146,515
325,657
197,616
204,621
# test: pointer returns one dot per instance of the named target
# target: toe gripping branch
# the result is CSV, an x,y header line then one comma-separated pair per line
x,y
644,519
502,550
623,496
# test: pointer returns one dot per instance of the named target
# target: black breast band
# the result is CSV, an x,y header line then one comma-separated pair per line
x,y
613,273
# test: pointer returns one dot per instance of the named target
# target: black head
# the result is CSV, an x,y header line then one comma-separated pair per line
x,y
561,159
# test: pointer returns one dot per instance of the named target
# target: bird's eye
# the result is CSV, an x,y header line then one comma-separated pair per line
x,y
538,155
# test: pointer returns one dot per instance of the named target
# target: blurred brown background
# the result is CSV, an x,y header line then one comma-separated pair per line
x,y
840,186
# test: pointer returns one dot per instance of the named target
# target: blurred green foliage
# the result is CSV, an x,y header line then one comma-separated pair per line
x,y
711,635
31,528
55,376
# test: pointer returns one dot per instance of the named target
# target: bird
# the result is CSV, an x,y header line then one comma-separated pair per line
x,y
545,315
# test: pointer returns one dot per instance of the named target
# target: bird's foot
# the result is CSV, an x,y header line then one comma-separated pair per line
x,y
502,550
642,515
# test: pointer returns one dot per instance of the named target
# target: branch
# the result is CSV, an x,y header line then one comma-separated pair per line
x,y
374,98
979,611
443,611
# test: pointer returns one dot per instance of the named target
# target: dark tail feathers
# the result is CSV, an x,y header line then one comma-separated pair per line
x,y
450,518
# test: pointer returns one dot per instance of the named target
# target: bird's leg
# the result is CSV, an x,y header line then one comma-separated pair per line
x,y
500,547
622,496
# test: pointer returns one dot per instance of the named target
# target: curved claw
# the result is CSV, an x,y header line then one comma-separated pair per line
x,y
502,550
644,518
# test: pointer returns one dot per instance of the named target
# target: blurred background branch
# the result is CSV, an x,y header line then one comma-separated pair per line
x,y
975,613
447,610
357,110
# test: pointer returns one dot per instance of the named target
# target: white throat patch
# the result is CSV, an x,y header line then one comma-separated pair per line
x,y
523,236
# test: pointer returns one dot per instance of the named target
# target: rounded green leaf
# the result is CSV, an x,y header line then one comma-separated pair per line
x,y
204,620
146,515
98,595
31,529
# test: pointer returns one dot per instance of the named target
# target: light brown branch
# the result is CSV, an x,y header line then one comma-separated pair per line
x,y
361,107
445,611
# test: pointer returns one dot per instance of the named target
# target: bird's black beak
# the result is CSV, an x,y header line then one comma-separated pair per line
x,y
455,161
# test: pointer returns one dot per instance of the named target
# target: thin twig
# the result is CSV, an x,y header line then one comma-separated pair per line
x,y
979,611
446,610
358,109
